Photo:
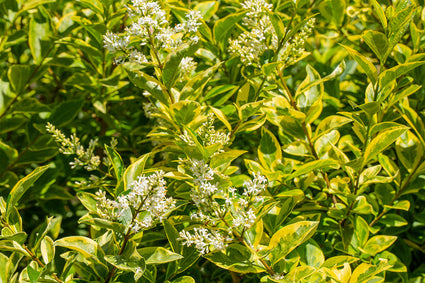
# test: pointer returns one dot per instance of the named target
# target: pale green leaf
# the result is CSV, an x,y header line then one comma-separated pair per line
x,y
158,255
135,169
85,246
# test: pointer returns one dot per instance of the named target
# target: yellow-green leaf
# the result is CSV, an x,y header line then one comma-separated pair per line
x,y
22,186
365,64
85,246
289,237
135,169
382,141
314,165
378,244
409,150
158,255
47,249
269,149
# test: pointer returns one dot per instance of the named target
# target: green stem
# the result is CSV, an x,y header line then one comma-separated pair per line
x,y
400,191
160,66
275,55
34,258
127,237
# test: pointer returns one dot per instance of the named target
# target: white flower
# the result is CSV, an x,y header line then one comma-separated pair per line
x,y
85,157
203,239
255,186
193,20
244,219
146,194
151,28
137,57
256,7
113,42
187,66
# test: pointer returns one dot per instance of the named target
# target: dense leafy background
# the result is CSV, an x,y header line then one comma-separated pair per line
x,y
338,131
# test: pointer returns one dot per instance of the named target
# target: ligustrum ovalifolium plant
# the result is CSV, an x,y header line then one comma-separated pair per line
x,y
212,141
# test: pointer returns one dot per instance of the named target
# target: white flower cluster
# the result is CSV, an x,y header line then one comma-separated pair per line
x,y
203,240
150,27
187,68
207,133
250,45
241,206
203,192
261,36
295,48
207,195
145,201
85,157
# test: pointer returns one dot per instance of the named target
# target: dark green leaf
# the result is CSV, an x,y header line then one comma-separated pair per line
x,y
65,112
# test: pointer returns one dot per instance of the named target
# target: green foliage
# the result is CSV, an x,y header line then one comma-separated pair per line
x,y
217,143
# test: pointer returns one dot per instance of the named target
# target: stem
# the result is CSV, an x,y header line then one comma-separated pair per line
x,y
127,237
241,240
235,277
275,55
400,191
304,126
160,65
34,258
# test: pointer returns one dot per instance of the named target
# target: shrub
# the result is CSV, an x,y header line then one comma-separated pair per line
x,y
212,141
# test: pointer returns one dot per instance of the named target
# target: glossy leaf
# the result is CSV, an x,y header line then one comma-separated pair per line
x,y
289,237
309,95
47,249
116,162
235,258
207,9
223,26
22,186
314,165
85,246
158,255
185,112
379,243
40,38
378,42
380,12
366,271
365,64
393,220
130,264
134,170
65,112
19,76
409,150
395,72
150,84
269,149
382,141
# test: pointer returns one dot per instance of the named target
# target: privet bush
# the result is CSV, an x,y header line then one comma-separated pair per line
x,y
212,141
